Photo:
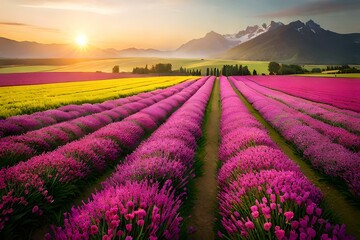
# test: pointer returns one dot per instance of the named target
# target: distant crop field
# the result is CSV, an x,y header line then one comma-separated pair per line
x,y
127,64
31,78
18,100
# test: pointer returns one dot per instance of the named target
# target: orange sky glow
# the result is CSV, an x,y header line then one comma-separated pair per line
x,y
160,24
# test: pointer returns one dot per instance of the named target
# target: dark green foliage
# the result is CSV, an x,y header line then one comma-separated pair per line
x,y
284,69
229,70
290,69
316,70
158,68
116,69
274,68
343,69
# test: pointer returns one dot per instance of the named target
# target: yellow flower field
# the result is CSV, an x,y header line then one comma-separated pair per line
x,y
18,100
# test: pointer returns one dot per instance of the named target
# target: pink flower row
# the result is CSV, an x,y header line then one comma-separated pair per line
x,y
339,92
329,158
50,180
14,149
263,194
308,112
141,200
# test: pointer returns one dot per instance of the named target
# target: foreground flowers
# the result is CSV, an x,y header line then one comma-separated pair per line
x,y
263,194
129,211
325,153
51,180
141,200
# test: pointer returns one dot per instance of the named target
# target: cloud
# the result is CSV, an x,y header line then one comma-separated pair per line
x,y
17,24
97,7
103,7
13,24
316,8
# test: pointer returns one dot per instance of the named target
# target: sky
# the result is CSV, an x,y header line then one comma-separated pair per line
x,y
161,24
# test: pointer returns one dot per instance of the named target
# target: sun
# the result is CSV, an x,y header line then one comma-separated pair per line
x,y
81,40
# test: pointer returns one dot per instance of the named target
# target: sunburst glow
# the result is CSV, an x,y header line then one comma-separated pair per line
x,y
81,40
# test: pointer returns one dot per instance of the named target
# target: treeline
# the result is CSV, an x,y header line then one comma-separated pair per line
x,y
192,72
226,70
284,69
166,68
230,70
158,68
343,69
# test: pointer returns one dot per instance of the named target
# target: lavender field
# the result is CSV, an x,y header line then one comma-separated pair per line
x,y
210,158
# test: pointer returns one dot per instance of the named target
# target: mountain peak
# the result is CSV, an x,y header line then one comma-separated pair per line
x,y
274,25
313,25
212,34
297,23
252,32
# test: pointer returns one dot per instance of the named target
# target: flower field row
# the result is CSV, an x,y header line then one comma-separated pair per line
x,y
20,148
141,200
335,116
263,194
338,92
39,188
329,158
18,100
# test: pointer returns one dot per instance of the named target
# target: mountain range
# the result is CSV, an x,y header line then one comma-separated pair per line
x,y
214,43
300,42
296,42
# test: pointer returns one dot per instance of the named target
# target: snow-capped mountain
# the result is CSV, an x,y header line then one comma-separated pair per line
x,y
252,32
213,43
299,42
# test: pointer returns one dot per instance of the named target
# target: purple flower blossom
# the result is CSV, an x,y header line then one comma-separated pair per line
x,y
141,194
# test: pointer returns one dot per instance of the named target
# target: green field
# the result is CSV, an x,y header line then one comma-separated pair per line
x,y
127,64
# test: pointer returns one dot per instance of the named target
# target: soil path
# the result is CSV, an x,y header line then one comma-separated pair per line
x,y
334,200
204,209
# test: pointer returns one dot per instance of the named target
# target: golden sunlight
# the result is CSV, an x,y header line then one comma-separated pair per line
x,y
81,40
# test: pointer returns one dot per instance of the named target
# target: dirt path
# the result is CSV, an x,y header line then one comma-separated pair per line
x,y
334,200
203,213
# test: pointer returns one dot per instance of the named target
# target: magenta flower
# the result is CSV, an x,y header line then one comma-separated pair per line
x,y
267,226
140,223
288,215
35,209
249,225
94,229
310,209
255,214
129,227
280,234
